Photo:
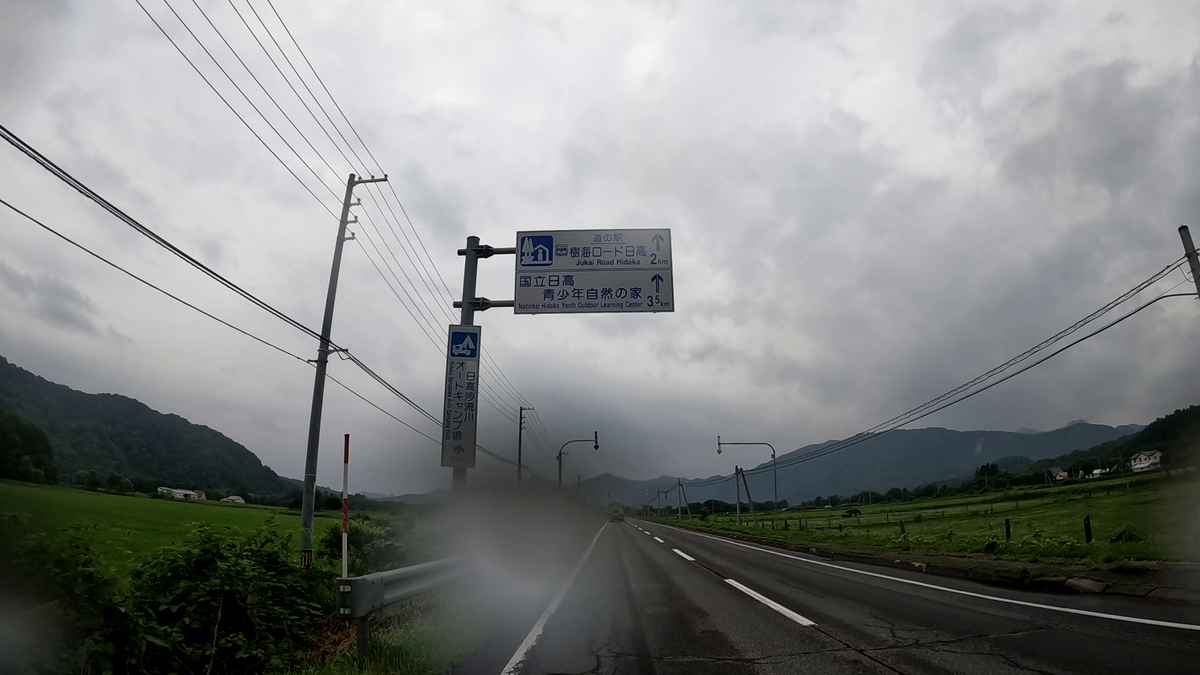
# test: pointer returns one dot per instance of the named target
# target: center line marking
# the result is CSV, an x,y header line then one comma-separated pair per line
x,y
659,540
645,531
684,555
770,603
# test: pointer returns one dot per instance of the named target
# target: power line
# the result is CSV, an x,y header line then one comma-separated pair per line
x,y
263,87
219,320
502,379
235,86
946,400
83,189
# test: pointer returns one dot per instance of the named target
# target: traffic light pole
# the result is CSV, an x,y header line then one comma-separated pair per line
x,y
774,473
307,504
561,453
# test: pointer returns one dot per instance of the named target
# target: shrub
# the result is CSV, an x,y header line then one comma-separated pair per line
x,y
220,602
373,544
59,592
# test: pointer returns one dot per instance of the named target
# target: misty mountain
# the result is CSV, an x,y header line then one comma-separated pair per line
x,y
117,433
902,458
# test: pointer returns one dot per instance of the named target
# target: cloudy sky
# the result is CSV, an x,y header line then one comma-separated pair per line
x,y
870,204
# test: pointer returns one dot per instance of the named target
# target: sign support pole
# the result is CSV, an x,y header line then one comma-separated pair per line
x,y
467,318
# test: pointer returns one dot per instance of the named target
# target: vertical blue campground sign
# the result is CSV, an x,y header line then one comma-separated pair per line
x,y
461,412
594,271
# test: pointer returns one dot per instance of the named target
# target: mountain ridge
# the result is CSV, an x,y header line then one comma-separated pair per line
x,y
113,432
901,458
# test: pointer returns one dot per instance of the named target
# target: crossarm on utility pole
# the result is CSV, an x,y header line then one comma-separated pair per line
x,y
1189,250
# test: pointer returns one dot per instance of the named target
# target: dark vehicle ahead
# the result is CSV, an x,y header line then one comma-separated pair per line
x,y
616,513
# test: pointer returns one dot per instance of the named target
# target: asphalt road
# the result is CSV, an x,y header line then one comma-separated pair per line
x,y
649,598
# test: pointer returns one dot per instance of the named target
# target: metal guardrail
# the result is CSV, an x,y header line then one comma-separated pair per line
x,y
359,597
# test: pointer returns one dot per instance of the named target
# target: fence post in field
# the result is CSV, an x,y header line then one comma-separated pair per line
x,y
1007,530
902,527
1087,529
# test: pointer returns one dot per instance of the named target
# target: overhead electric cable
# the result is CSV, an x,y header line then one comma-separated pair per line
x,y
946,400
235,86
83,189
219,320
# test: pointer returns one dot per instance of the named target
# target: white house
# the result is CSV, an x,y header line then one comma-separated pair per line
x,y
1145,461
234,499
174,493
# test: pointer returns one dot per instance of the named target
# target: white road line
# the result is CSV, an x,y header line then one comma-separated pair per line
x,y
684,555
536,631
771,603
659,540
645,531
994,598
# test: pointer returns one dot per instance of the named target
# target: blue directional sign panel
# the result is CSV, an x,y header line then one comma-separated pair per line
x,y
594,271
461,412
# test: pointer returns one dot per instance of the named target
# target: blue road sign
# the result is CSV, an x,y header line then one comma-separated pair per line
x,y
536,251
464,345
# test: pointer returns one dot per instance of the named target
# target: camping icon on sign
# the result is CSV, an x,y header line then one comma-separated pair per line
x,y
464,344
536,251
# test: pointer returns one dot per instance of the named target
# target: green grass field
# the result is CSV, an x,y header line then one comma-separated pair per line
x,y
122,529
1047,524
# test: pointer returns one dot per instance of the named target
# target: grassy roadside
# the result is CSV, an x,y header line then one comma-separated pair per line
x,y
1137,520
123,528
125,537
425,636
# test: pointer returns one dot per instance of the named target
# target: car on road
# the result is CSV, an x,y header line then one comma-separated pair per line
x,y
616,513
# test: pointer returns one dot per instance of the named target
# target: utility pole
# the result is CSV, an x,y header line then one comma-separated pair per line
x,y
307,503
1190,250
737,473
679,499
520,434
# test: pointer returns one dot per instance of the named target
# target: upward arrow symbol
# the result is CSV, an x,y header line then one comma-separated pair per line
x,y
658,240
657,279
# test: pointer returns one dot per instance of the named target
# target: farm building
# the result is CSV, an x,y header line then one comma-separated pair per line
x,y
175,493
1145,461
234,499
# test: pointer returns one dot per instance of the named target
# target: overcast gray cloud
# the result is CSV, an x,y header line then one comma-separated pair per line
x,y
870,204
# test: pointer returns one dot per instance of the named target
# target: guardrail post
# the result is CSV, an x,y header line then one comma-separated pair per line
x,y
364,641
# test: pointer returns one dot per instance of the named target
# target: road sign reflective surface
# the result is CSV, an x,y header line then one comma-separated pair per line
x,y
594,271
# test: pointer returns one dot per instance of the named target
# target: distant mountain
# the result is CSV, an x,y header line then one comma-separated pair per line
x,y
118,433
902,458
1027,430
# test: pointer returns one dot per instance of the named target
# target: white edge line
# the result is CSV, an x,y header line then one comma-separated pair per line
x,y
1010,601
536,631
771,603
684,555
659,540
